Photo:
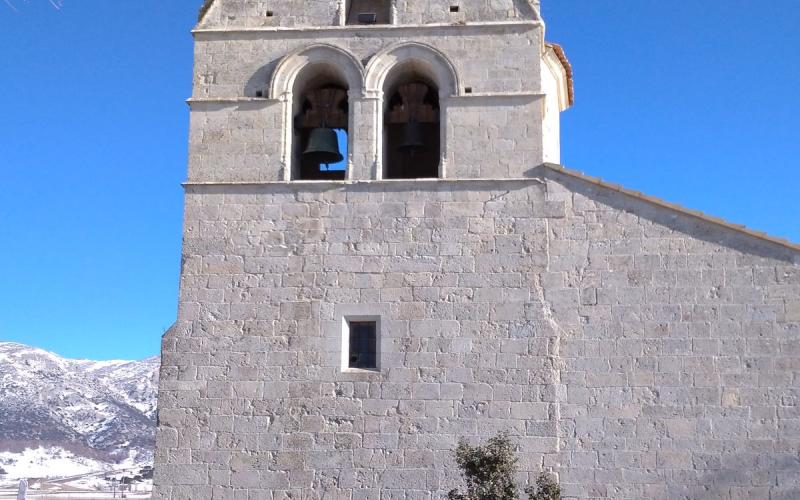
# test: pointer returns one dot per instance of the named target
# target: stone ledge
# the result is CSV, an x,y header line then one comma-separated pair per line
x,y
498,95
460,97
230,101
200,100
300,184
281,30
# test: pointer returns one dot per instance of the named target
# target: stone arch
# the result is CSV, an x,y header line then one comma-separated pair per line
x,y
293,73
286,72
383,72
438,65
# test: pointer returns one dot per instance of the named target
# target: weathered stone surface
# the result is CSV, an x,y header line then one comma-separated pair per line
x,y
237,14
656,390
633,350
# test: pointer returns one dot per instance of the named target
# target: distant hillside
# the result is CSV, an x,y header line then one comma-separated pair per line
x,y
63,416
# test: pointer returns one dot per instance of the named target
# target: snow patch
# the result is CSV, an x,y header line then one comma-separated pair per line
x,y
57,463
53,462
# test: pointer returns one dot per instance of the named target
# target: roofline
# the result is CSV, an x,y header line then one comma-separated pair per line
x,y
674,207
562,57
204,10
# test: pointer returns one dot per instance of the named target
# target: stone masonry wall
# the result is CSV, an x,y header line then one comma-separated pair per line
x,y
637,352
489,59
232,14
254,403
632,349
679,353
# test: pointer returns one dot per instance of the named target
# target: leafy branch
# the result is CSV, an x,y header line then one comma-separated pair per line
x,y
488,471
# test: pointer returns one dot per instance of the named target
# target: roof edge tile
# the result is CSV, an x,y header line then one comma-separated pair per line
x,y
562,57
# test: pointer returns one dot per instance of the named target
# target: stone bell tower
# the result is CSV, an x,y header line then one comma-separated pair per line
x,y
352,302
379,259
268,73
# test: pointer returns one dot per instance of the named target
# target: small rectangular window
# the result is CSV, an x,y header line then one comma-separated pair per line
x,y
368,12
363,345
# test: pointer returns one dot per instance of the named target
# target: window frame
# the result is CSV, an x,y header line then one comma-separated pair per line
x,y
346,335
386,12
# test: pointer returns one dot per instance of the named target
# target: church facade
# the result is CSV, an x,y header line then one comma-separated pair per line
x,y
382,256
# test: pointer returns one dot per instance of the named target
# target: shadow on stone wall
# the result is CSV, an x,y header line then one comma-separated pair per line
x,y
769,476
525,9
259,81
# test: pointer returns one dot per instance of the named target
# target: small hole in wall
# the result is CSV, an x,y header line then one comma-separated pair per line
x,y
454,8
259,93
270,13
467,90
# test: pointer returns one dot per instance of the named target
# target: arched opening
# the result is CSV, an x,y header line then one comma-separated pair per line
x,y
321,124
411,130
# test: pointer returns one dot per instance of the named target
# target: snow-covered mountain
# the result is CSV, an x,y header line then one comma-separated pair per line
x,y
96,413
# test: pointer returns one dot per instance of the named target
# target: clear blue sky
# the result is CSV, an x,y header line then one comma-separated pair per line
x,y
694,102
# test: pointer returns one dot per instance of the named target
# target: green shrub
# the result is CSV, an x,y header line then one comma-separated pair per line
x,y
488,472
545,489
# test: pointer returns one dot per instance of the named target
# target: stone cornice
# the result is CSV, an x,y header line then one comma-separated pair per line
x,y
229,100
478,96
373,28
207,4
351,182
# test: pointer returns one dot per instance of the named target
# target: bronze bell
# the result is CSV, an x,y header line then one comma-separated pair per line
x,y
411,138
323,146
